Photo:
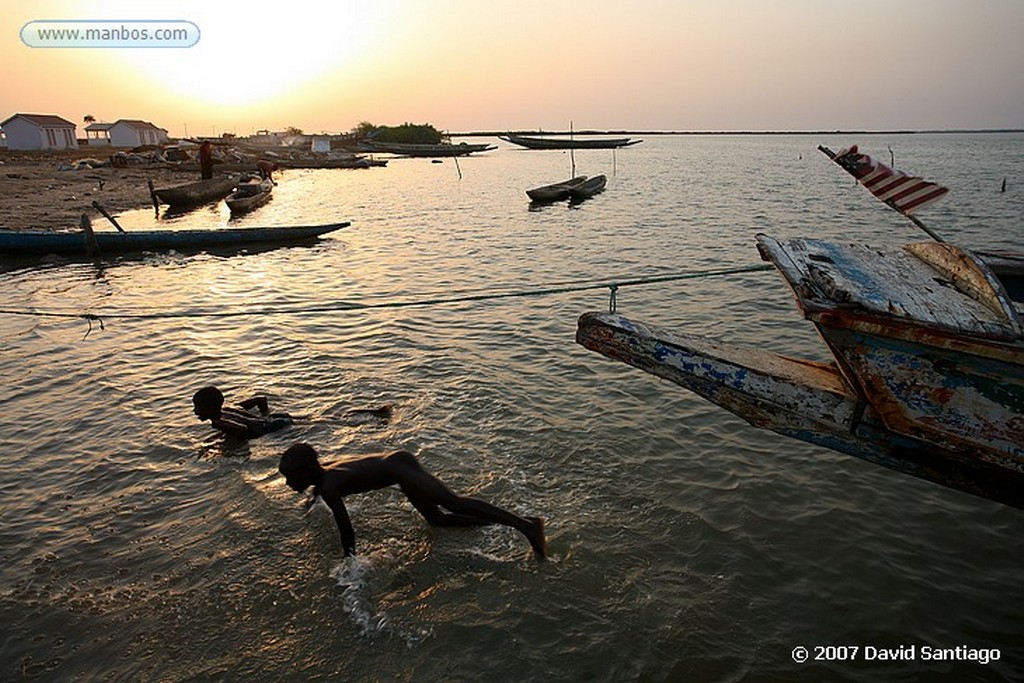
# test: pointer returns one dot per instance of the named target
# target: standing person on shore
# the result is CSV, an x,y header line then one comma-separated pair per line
x,y
206,159
301,468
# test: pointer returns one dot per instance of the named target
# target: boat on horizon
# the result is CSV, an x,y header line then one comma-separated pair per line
x,y
417,150
567,143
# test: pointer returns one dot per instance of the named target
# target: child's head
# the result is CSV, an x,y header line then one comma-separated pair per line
x,y
208,402
300,466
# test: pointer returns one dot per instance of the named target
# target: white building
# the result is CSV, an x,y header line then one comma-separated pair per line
x,y
97,134
39,131
135,133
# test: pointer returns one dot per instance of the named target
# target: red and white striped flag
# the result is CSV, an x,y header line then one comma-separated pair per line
x,y
905,193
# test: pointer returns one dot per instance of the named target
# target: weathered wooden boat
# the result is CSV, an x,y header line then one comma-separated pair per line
x,y
928,370
249,196
42,242
567,143
555,191
194,194
440,150
588,188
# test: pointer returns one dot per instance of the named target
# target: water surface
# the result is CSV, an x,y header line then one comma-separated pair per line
x,y
686,545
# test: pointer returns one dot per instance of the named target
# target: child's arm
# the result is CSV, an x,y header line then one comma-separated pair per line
x,y
348,535
259,402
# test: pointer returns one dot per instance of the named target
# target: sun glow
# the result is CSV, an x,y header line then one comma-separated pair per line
x,y
246,57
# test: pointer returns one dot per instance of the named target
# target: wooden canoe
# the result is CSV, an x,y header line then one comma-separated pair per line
x,y
42,242
248,196
588,188
928,371
555,191
199,192
439,150
568,143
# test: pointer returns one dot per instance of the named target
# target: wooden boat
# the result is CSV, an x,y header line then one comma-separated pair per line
x,y
588,188
568,143
440,150
42,242
194,194
928,370
248,196
555,191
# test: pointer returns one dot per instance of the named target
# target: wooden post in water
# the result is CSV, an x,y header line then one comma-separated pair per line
x,y
91,248
153,197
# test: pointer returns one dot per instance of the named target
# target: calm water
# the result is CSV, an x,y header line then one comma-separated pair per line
x,y
685,544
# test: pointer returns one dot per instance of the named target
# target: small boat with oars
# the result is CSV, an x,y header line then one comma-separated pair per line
x,y
555,191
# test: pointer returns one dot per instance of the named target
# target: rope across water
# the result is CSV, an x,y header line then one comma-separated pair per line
x,y
299,309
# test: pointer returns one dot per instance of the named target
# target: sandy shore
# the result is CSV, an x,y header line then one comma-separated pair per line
x,y
36,194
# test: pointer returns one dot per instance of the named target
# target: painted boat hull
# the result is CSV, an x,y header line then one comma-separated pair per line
x,y
928,377
810,402
41,243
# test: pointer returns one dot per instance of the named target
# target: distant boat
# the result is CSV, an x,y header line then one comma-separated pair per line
x,y
440,150
588,188
39,242
567,143
195,194
555,191
248,196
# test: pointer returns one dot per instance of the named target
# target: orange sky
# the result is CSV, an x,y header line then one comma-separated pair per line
x,y
479,65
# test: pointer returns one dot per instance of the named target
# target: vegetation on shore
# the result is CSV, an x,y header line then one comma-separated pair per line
x,y
407,133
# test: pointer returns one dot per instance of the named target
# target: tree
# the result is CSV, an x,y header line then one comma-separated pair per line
x,y
89,118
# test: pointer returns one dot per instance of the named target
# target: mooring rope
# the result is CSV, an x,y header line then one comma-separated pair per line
x,y
547,290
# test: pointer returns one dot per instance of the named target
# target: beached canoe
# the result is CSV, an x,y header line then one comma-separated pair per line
x,y
568,143
554,191
39,242
588,188
248,196
194,194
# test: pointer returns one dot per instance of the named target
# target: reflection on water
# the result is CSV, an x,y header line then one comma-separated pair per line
x,y
685,544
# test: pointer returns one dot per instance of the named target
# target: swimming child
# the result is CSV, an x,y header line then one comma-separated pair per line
x,y
208,404
301,468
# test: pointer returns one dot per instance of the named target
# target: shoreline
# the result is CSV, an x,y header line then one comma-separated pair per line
x,y
39,195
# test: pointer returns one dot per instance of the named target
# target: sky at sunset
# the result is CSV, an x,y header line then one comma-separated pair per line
x,y
464,65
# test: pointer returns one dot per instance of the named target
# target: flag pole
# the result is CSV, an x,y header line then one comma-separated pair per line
x,y
913,219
